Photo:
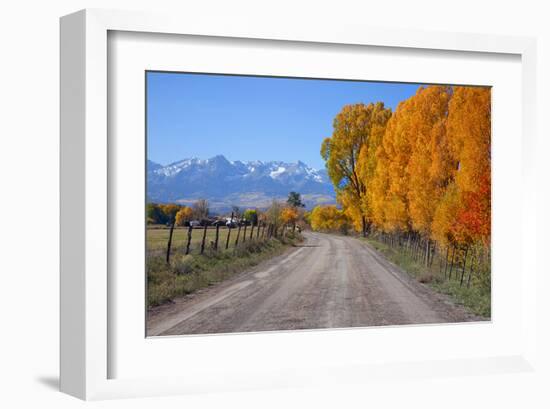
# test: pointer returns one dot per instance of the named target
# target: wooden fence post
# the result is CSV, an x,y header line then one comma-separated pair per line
x,y
228,236
257,230
471,270
251,231
428,247
433,251
189,233
452,263
229,231
470,273
170,241
203,238
464,266
238,234
217,236
446,261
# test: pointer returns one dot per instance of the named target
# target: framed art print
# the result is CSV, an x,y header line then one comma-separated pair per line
x,y
306,199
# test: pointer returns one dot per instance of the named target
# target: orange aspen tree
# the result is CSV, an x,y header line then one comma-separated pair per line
x,y
469,129
289,215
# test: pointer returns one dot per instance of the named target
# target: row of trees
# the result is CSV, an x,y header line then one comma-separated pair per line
x,y
328,218
423,169
278,213
170,212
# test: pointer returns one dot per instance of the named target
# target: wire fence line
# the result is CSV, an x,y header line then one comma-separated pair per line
x,y
462,263
199,239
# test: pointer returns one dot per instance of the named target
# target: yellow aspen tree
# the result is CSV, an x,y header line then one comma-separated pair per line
x,y
352,130
183,215
397,145
367,162
327,218
379,189
427,124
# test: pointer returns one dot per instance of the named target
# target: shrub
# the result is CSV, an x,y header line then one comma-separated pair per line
x,y
182,265
426,278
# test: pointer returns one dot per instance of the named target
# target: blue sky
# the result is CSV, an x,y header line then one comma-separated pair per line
x,y
251,118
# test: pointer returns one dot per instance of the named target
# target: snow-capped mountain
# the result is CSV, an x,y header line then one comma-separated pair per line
x,y
225,183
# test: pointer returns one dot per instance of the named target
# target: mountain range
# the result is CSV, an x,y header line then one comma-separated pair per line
x,y
227,183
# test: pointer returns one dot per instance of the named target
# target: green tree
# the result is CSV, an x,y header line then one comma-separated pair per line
x,y
251,215
155,215
295,200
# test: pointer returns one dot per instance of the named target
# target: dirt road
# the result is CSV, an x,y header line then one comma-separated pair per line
x,y
328,282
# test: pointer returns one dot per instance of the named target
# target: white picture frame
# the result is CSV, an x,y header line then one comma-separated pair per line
x,y
86,303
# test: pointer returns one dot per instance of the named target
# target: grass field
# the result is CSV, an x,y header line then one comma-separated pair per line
x,y
157,238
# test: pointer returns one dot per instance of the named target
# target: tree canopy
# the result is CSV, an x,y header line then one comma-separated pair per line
x,y
426,168
355,128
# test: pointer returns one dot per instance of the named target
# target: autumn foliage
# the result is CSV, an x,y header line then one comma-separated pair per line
x,y
328,218
423,169
289,215
183,215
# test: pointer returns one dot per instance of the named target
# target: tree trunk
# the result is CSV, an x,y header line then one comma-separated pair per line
x,y
364,226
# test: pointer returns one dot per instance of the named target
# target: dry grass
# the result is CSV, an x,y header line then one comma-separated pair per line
x,y
187,273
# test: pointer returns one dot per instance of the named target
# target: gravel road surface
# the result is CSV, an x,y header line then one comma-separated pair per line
x,y
328,282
